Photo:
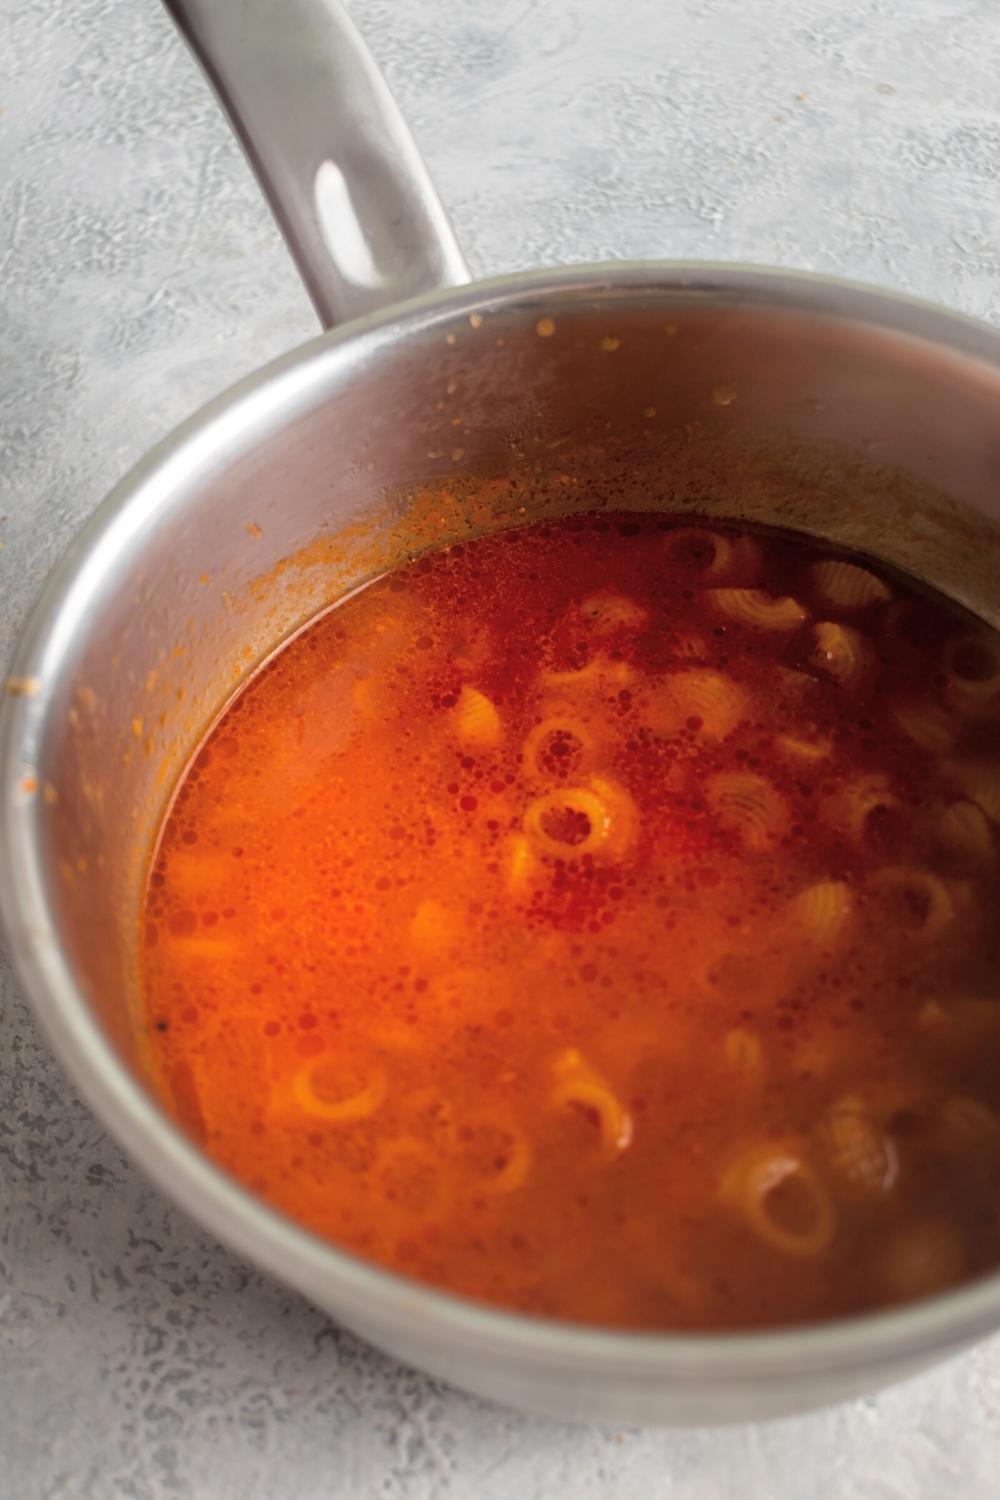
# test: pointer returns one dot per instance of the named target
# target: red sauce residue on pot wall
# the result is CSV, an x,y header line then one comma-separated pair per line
x,y
598,918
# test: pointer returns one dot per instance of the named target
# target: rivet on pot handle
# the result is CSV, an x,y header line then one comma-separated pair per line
x,y
330,149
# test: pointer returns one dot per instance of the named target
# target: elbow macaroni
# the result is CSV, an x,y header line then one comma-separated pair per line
x,y
579,1085
758,1182
758,609
597,817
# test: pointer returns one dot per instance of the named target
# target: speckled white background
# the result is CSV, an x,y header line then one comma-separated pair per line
x,y
140,274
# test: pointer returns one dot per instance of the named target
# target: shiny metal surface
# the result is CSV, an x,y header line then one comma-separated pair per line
x,y
329,148
856,414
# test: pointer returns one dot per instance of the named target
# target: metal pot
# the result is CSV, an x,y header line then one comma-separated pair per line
x,y
849,412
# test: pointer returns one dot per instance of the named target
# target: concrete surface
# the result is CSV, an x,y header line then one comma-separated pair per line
x,y
141,274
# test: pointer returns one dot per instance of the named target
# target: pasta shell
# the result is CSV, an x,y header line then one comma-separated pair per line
x,y
477,722
714,555
841,652
749,806
846,585
926,724
824,912
760,610
710,703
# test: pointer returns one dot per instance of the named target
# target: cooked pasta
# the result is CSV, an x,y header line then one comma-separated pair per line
x,y
916,902
548,924
579,1086
477,722
706,552
823,913
596,817
707,703
926,724
712,555
861,1155
979,780
846,585
841,652
780,1197
760,610
972,666
748,806
316,1091
857,808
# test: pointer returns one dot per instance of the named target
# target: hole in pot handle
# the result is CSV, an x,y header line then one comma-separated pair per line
x,y
330,150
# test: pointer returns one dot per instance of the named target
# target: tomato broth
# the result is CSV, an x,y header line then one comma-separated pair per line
x,y
598,918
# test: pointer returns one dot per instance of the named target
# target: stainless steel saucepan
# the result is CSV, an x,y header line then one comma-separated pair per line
x,y
845,411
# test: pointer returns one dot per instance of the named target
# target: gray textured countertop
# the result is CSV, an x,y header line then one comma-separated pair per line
x,y
140,275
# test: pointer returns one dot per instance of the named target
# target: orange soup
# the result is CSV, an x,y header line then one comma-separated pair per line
x,y
599,919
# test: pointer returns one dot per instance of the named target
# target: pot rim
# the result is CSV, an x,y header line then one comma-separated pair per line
x,y
319,1269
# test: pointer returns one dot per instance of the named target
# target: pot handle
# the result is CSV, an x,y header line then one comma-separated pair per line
x,y
330,150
